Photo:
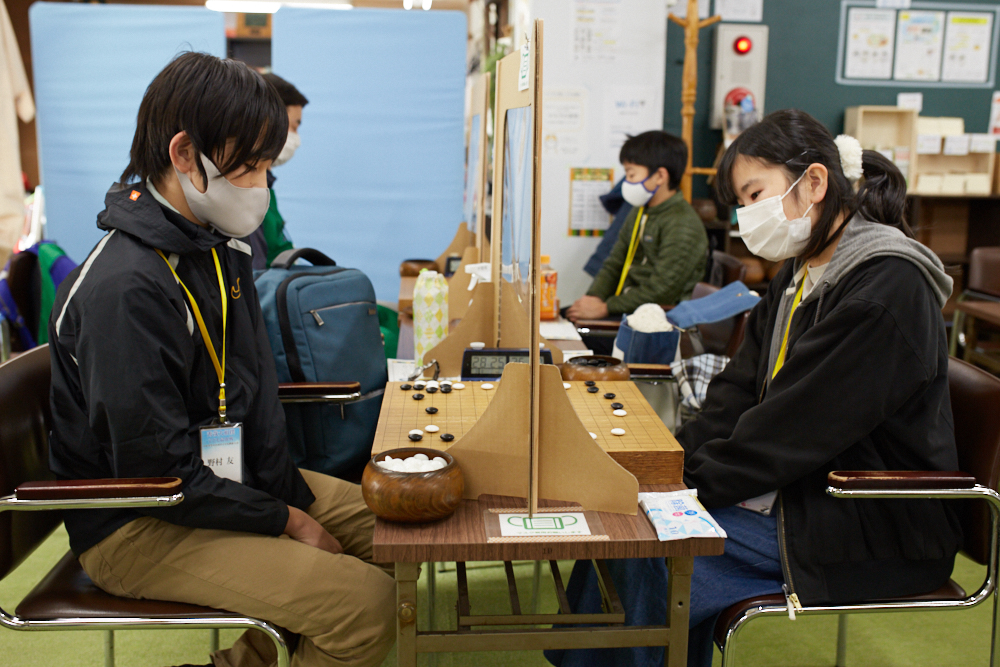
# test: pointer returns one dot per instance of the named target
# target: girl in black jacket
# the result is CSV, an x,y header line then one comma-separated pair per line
x,y
844,367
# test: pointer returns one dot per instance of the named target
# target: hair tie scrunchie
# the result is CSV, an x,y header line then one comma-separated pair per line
x,y
850,156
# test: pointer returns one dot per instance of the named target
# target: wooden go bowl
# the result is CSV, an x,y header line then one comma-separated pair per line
x,y
580,368
412,497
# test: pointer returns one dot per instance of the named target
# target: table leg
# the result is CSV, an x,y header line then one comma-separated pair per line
x,y
406,614
678,612
431,594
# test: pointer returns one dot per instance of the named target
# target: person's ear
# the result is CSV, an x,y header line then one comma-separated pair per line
x,y
816,181
183,156
663,177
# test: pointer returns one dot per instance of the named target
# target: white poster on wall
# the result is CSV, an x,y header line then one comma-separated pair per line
x,y
564,122
870,39
743,11
631,110
919,37
967,47
595,29
680,10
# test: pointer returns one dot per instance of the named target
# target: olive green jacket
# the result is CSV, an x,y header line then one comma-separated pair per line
x,y
668,263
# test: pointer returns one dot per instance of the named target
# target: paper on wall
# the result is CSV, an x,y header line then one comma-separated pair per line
x,y
595,29
967,47
913,101
870,40
919,38
994,127
748,11
892,4
564,121
586,186
630,110
680,10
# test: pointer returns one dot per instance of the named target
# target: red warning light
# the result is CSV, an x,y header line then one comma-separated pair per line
x,y
742,45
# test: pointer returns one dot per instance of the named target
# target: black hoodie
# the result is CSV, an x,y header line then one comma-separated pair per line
x,y
864,387
132,381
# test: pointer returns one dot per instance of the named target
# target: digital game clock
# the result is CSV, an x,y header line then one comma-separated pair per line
x,y
488,364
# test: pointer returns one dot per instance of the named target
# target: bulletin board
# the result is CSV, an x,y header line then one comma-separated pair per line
x,y
380,174
92,64
931,44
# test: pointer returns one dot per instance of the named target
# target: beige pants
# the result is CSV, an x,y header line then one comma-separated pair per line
x,y
342,605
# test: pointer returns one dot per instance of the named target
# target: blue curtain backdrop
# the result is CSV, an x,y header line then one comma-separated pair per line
x,y
379,176
92,64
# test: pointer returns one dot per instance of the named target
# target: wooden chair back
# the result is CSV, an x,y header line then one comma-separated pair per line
x,y
984,270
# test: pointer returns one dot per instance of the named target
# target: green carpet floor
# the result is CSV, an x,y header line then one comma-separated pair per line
x,y
953,639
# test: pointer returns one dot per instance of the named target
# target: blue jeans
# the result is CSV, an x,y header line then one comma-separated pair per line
x,y
749,567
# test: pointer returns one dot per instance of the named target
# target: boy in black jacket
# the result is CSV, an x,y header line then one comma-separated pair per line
x,y
161,366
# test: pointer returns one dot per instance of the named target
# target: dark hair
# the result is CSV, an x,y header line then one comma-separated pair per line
x,y
290,95
793,140
214,101
655,149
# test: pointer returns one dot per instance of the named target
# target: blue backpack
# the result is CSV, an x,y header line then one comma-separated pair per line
x,y
323,325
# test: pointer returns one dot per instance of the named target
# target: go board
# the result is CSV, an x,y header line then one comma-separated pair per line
x,y
647,450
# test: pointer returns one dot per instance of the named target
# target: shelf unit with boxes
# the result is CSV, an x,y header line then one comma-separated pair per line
x,y
951,162
891,131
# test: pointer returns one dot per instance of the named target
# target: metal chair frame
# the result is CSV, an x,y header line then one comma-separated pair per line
x,y
988,587
109,625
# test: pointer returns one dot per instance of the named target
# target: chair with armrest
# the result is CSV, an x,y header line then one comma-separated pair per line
x,y
66,598
726,269
974,397
977,310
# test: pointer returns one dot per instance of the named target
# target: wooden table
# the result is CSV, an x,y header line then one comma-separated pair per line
x,y
462,537
404,349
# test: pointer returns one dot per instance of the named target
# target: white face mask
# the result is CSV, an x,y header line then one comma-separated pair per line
x,y
230,210
288,150
768,233
636,193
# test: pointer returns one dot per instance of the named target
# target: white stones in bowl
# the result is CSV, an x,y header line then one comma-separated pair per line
x,y
414,464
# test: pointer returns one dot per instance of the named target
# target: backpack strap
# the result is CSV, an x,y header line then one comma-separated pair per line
x,y
10,313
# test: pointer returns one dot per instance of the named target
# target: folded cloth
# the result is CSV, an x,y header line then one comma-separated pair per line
x,y
694,375
731,300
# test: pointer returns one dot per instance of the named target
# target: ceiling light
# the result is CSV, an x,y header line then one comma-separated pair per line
x,y
243,6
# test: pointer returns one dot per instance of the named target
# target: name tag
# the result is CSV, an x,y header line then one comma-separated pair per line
x,y
222,450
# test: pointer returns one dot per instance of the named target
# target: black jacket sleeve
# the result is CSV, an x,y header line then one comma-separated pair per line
x,y
133,354
267,446
734,390
842,378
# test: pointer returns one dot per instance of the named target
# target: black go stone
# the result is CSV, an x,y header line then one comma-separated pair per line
x,y
431,410
590,383
609,396
418,397
593,390
431,390
617,406
405,387
419,386
416,437
447,437
446,389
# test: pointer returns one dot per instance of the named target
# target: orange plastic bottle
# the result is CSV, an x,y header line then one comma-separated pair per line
x,y
548,277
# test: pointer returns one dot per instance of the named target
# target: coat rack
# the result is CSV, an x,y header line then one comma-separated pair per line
x,y
692,24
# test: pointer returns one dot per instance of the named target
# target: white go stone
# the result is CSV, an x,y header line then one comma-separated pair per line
x,y
566,385
432,429
446,382
617,431
458,385
441,461
416,431
593,435
433,383
420,457
619,413
487,385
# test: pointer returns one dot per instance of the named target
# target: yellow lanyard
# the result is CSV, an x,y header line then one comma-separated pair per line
x,y
784,342
220,368
632,247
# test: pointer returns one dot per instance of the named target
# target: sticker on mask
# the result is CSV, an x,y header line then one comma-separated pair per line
x,y
222,450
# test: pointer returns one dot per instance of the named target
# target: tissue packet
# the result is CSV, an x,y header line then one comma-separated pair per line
x,y
678,515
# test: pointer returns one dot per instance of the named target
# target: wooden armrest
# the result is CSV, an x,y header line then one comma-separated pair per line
x,y
73,489
650,370
599,325
307,389
884,480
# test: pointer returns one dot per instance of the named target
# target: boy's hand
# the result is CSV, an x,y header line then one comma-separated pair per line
x,y
303,528
587,308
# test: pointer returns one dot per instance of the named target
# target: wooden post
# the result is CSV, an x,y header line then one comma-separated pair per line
x,y
689,90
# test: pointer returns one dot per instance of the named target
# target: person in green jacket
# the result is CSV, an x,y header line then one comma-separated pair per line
x,y
271,238
662,248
